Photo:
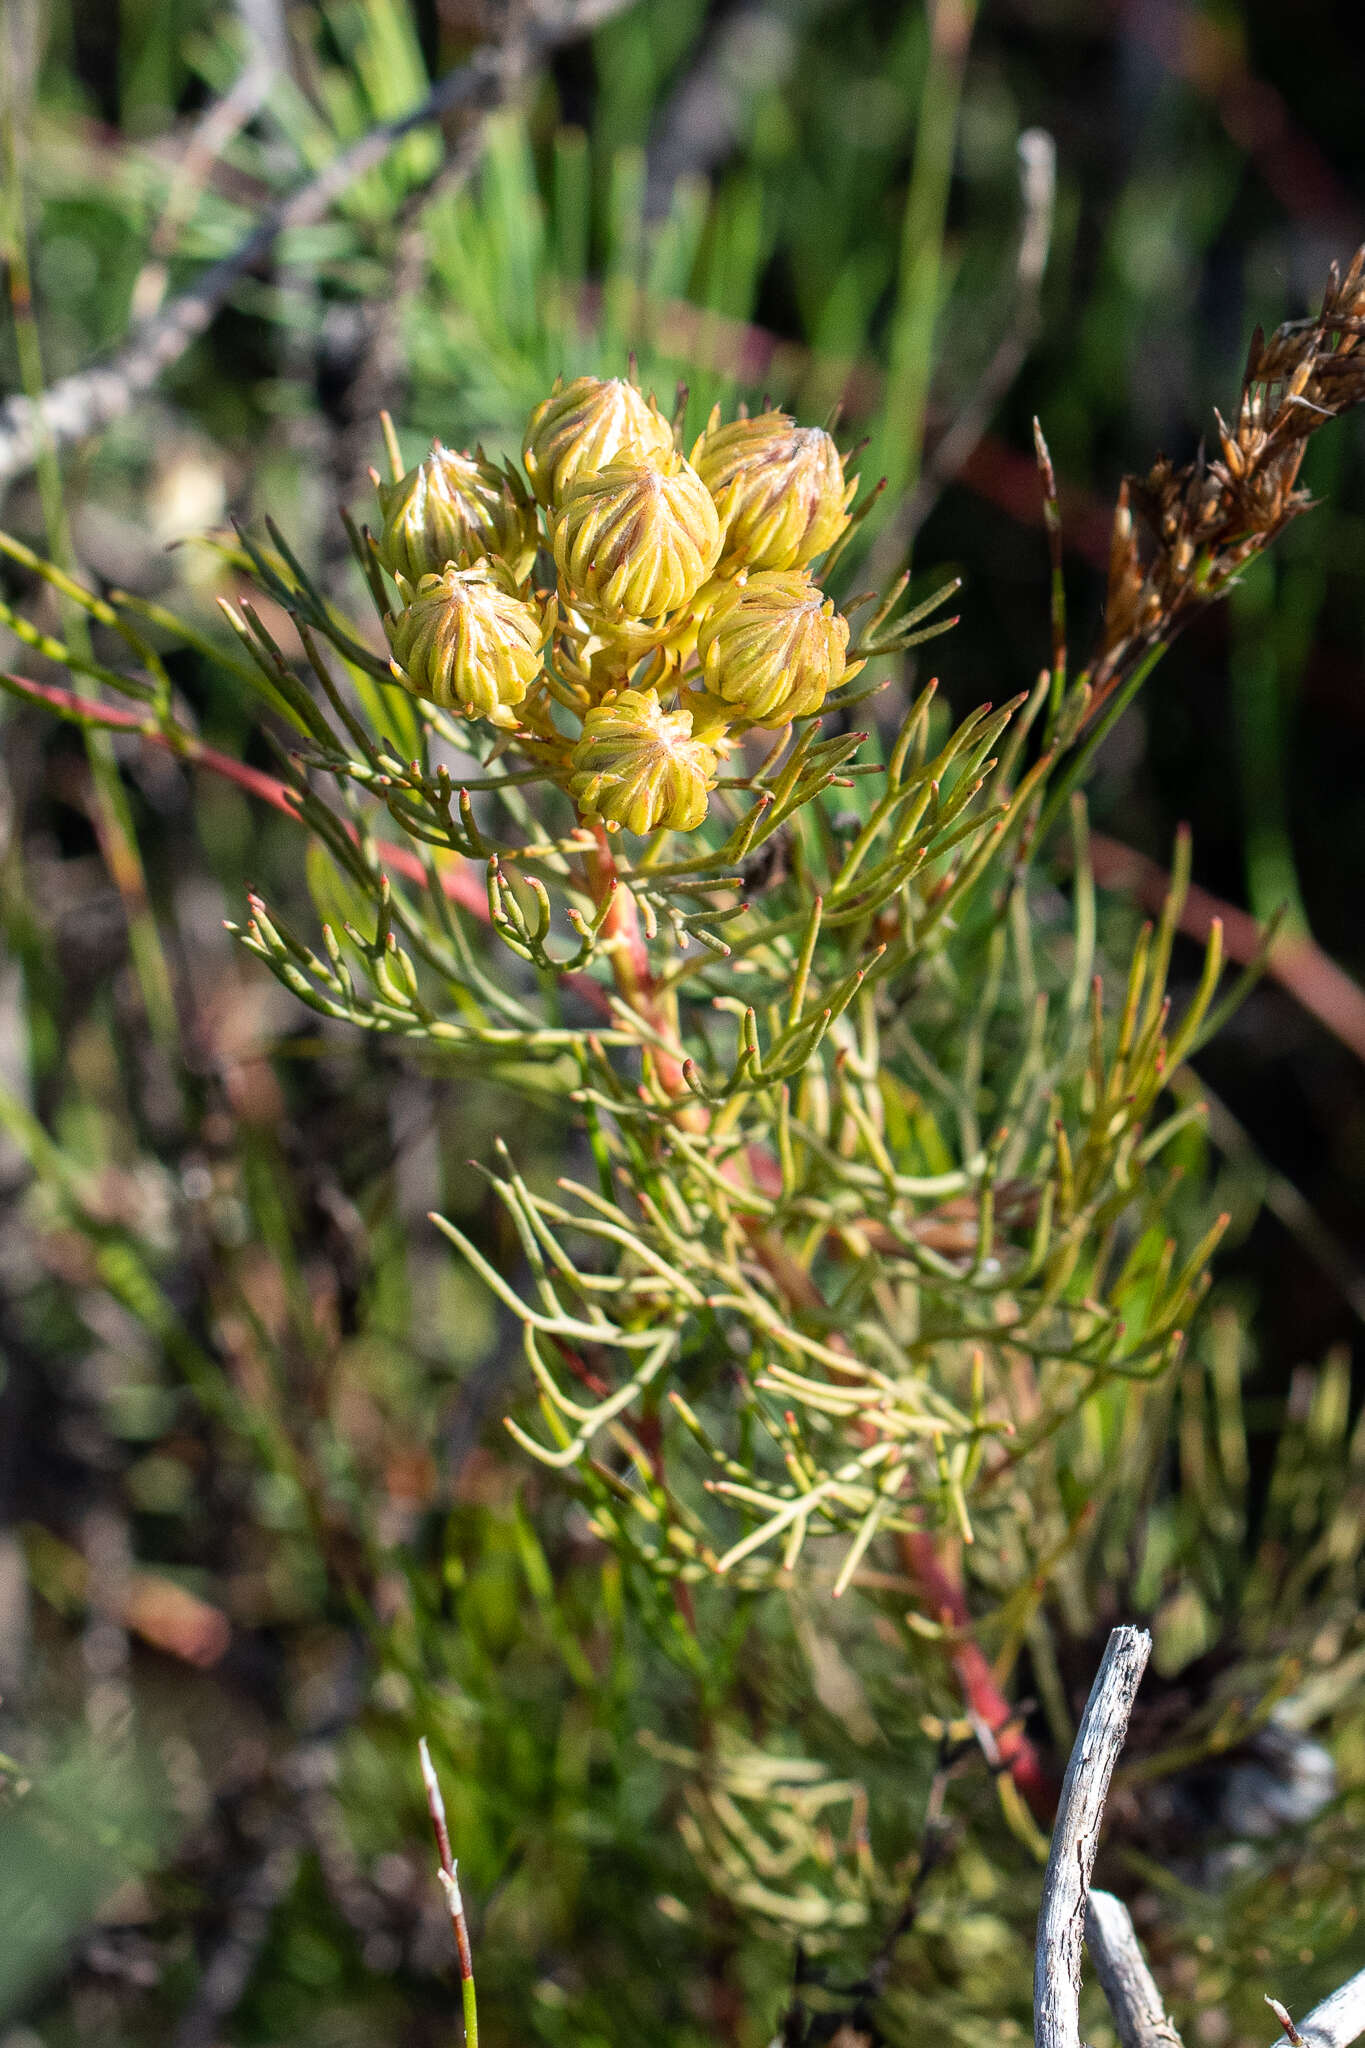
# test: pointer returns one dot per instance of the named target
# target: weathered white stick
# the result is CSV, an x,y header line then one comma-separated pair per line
x,y
1075,1836
1338,2021
1127,1982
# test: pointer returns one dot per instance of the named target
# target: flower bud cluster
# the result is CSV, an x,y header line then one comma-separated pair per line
x,y
625,612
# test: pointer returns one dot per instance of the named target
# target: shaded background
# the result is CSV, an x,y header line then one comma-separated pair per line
x,y
805,198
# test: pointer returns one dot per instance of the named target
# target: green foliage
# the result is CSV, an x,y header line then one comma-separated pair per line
x,y
855,1188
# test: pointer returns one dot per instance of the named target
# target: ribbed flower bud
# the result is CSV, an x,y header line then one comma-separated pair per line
x,y
637,539
583,426
456,508
772,647
638,765
779,489
469,643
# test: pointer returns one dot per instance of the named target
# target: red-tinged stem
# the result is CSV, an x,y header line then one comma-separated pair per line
x,y
1300,966
450,1884
947,1604
459,883
1314,980
458,879
82,711
944,1596
630,959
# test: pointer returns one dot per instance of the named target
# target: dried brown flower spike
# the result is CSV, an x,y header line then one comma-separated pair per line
x,y
1210,517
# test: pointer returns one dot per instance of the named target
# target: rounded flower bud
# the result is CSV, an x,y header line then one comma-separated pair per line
x,y
469,643
779,489
638,765
772,647
456,508
637,540
583,426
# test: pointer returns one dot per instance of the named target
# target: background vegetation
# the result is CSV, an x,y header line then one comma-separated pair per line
x,y
262,1525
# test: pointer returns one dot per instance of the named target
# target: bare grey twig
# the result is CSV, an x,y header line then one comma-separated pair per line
x,y
1075,1837
81,404
1121,1967
1136,2003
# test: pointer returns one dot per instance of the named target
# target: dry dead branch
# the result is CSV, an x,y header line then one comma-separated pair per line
x,y
1069,1905
1075,1838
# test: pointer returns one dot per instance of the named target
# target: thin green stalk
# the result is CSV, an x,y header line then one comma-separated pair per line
x,y
1078,767
112,814
920,285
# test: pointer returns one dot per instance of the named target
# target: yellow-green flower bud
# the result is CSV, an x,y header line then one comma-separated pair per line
x,y
466,640
772,647
456,508
638,765
583,426
779,489
637,539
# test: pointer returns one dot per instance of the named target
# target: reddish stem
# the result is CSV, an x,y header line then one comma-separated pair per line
x,y
944,1596
1300,966
630,960
458,880
946,1601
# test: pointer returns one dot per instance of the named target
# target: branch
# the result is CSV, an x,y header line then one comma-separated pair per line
x,y
748,51
1338,2021
1136,2003
1139,2015
1075,1837
266,54
79,405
